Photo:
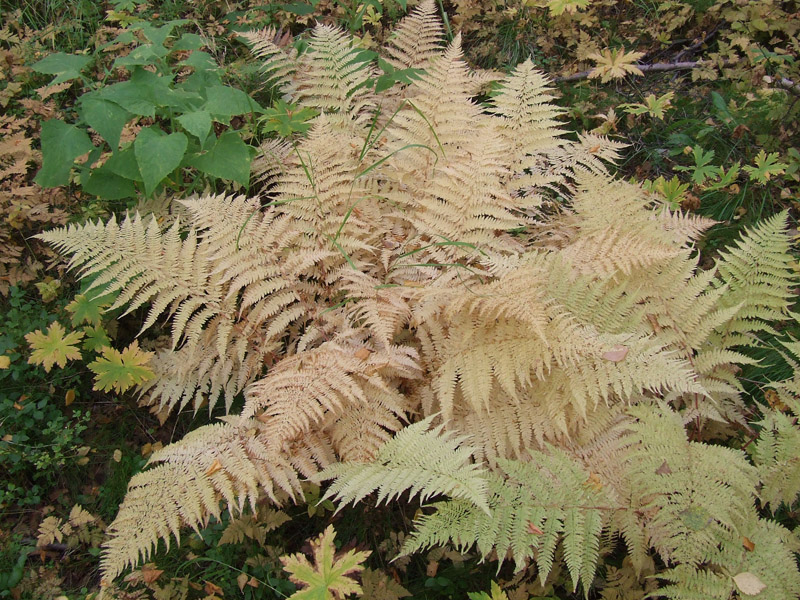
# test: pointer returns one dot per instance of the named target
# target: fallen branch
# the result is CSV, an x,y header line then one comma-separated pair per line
x,y
655,67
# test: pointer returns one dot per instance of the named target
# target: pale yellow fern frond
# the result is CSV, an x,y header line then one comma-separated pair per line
x,y
416,39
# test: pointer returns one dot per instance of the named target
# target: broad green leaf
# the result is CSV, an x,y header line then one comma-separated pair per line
x,y
159,35
105,117
123,163
88,310
188,41
121,370
198,123
158,155
225,101
228,158
104,183
61,145
147,54
64,66
131,97
298,8
329,577
201,61
53,348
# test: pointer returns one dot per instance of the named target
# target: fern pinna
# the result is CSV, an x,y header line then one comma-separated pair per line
x,y
426,274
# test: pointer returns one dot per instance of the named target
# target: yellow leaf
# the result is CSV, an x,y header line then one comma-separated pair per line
x,y
749,584
117,455
5,362
215,466
614,64
53,348
69,397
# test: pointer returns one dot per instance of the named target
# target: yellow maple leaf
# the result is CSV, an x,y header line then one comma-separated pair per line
x,y
614,64
53,348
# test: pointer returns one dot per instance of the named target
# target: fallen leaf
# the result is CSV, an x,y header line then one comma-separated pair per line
x,y
749,584
594,482
5,362
534,529
212,588
663,469
117,455
241,581
150,575
616,354
215,466
362,353
748,544
69,397
432,568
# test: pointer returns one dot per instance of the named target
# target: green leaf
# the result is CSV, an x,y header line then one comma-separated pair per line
x,y
286,119
88,310
123,163
131,97
64,66
225,101
188,41
201,61
104,183
298,8
159,35
198,123
96,338
54,348
148,54
329,577
158,155
228,158
121,370
767,165
105,117
61,145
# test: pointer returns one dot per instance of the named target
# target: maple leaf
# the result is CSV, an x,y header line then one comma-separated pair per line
x,y
614,64
327,579
96,338
88,310
54,348
558,7
121,370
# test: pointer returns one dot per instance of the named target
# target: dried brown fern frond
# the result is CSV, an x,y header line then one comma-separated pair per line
x,y
232,462
416,39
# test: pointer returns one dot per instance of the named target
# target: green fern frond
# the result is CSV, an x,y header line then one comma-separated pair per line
x,y
425,462
758,274
541,502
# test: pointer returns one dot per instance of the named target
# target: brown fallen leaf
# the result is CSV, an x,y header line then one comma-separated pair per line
x,y
616,354
151,575
748,544
362,353
663,469
534,529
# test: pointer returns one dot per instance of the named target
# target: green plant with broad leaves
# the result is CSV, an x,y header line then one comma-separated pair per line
x,y
183,121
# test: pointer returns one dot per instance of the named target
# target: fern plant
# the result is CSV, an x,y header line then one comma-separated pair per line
x,y
453,299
